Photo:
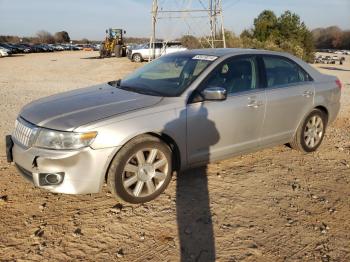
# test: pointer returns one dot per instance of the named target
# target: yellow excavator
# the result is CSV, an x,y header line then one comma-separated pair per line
x,y
113,44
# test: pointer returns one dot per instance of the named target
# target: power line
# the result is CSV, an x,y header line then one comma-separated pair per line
x,y
187,12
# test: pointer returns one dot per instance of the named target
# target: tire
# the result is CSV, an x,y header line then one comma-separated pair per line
x,y
137,58
136,179
118,51
310,133
124,51
102,52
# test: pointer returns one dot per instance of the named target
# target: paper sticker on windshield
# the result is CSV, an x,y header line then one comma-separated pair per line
x,y
205,57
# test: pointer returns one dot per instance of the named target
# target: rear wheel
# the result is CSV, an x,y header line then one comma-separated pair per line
x,y
141,171
137,58
310,133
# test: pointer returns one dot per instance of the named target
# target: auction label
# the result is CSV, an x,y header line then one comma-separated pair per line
x,y
205,57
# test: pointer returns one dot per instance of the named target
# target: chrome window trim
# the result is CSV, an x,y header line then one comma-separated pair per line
x,y
291,85
246,92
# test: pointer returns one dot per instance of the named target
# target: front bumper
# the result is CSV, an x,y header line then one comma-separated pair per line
x,y
84,170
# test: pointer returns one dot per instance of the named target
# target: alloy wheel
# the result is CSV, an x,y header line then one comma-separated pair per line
x,y
145,172
313,131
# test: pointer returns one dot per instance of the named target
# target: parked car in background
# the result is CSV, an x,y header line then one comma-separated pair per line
x,y
96,47
180,111
11,50
25,48
56,47
336,58
17,49
144,52
36,49
321,59
3,52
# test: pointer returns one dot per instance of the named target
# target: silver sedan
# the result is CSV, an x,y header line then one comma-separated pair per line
x,y
180,111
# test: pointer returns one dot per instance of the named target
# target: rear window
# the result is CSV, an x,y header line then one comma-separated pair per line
x,y
281,71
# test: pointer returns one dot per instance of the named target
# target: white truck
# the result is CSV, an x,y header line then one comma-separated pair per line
x,y
144,52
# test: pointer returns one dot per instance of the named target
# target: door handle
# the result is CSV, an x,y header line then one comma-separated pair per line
x,y
254,104
308,94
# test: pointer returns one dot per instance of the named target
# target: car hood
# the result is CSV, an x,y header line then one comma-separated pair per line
x,y
69,110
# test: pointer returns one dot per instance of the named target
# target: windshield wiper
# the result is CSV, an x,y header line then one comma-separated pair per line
x,y
115,83
140,91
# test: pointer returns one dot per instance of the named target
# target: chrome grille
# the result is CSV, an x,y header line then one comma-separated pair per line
x,y
24,133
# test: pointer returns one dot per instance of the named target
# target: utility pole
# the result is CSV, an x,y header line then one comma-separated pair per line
x,y
153,37
211,21
213,11
220,13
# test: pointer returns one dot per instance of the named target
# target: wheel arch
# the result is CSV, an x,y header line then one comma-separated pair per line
x,y
167,139
324,110
173,146
319,107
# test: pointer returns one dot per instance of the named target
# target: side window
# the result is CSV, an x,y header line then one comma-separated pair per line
x,y
158,45
236,75
200,66
281,71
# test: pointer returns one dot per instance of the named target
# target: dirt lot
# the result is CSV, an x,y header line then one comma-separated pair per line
x,y
274,205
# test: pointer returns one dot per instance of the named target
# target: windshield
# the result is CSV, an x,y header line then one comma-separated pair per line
x,y
167,75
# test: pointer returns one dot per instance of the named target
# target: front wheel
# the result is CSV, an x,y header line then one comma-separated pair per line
x,y
103,52
141,170
311,132
118,50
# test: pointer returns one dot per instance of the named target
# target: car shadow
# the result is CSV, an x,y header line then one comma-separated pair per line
x,y
16,55
334,68
194,217
92,57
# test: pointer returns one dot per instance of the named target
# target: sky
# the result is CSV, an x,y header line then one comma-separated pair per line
x,y
90,18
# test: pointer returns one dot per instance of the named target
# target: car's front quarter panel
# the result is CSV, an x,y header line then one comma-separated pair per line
x,y
116,132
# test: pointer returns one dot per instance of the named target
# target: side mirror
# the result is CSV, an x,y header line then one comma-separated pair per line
x,y
124,32
214,93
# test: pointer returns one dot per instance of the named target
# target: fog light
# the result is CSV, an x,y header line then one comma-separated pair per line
x,y
51,179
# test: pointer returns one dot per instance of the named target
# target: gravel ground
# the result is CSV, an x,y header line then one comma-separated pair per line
x,y
273,205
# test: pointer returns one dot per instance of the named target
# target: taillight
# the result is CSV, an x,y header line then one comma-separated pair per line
x,y
339,84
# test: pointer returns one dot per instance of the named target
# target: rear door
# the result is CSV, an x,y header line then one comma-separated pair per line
x,y
147,52
217,129
289,95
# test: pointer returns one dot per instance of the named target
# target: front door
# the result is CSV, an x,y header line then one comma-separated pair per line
x,y
217,129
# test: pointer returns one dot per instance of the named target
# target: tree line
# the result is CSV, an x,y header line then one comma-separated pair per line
x,y
41,37
284,33
331,38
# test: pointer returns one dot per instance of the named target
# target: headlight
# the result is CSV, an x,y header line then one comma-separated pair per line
x,y
63,140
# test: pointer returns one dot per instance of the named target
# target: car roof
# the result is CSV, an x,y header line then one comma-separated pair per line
x,y
220,52
227,52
